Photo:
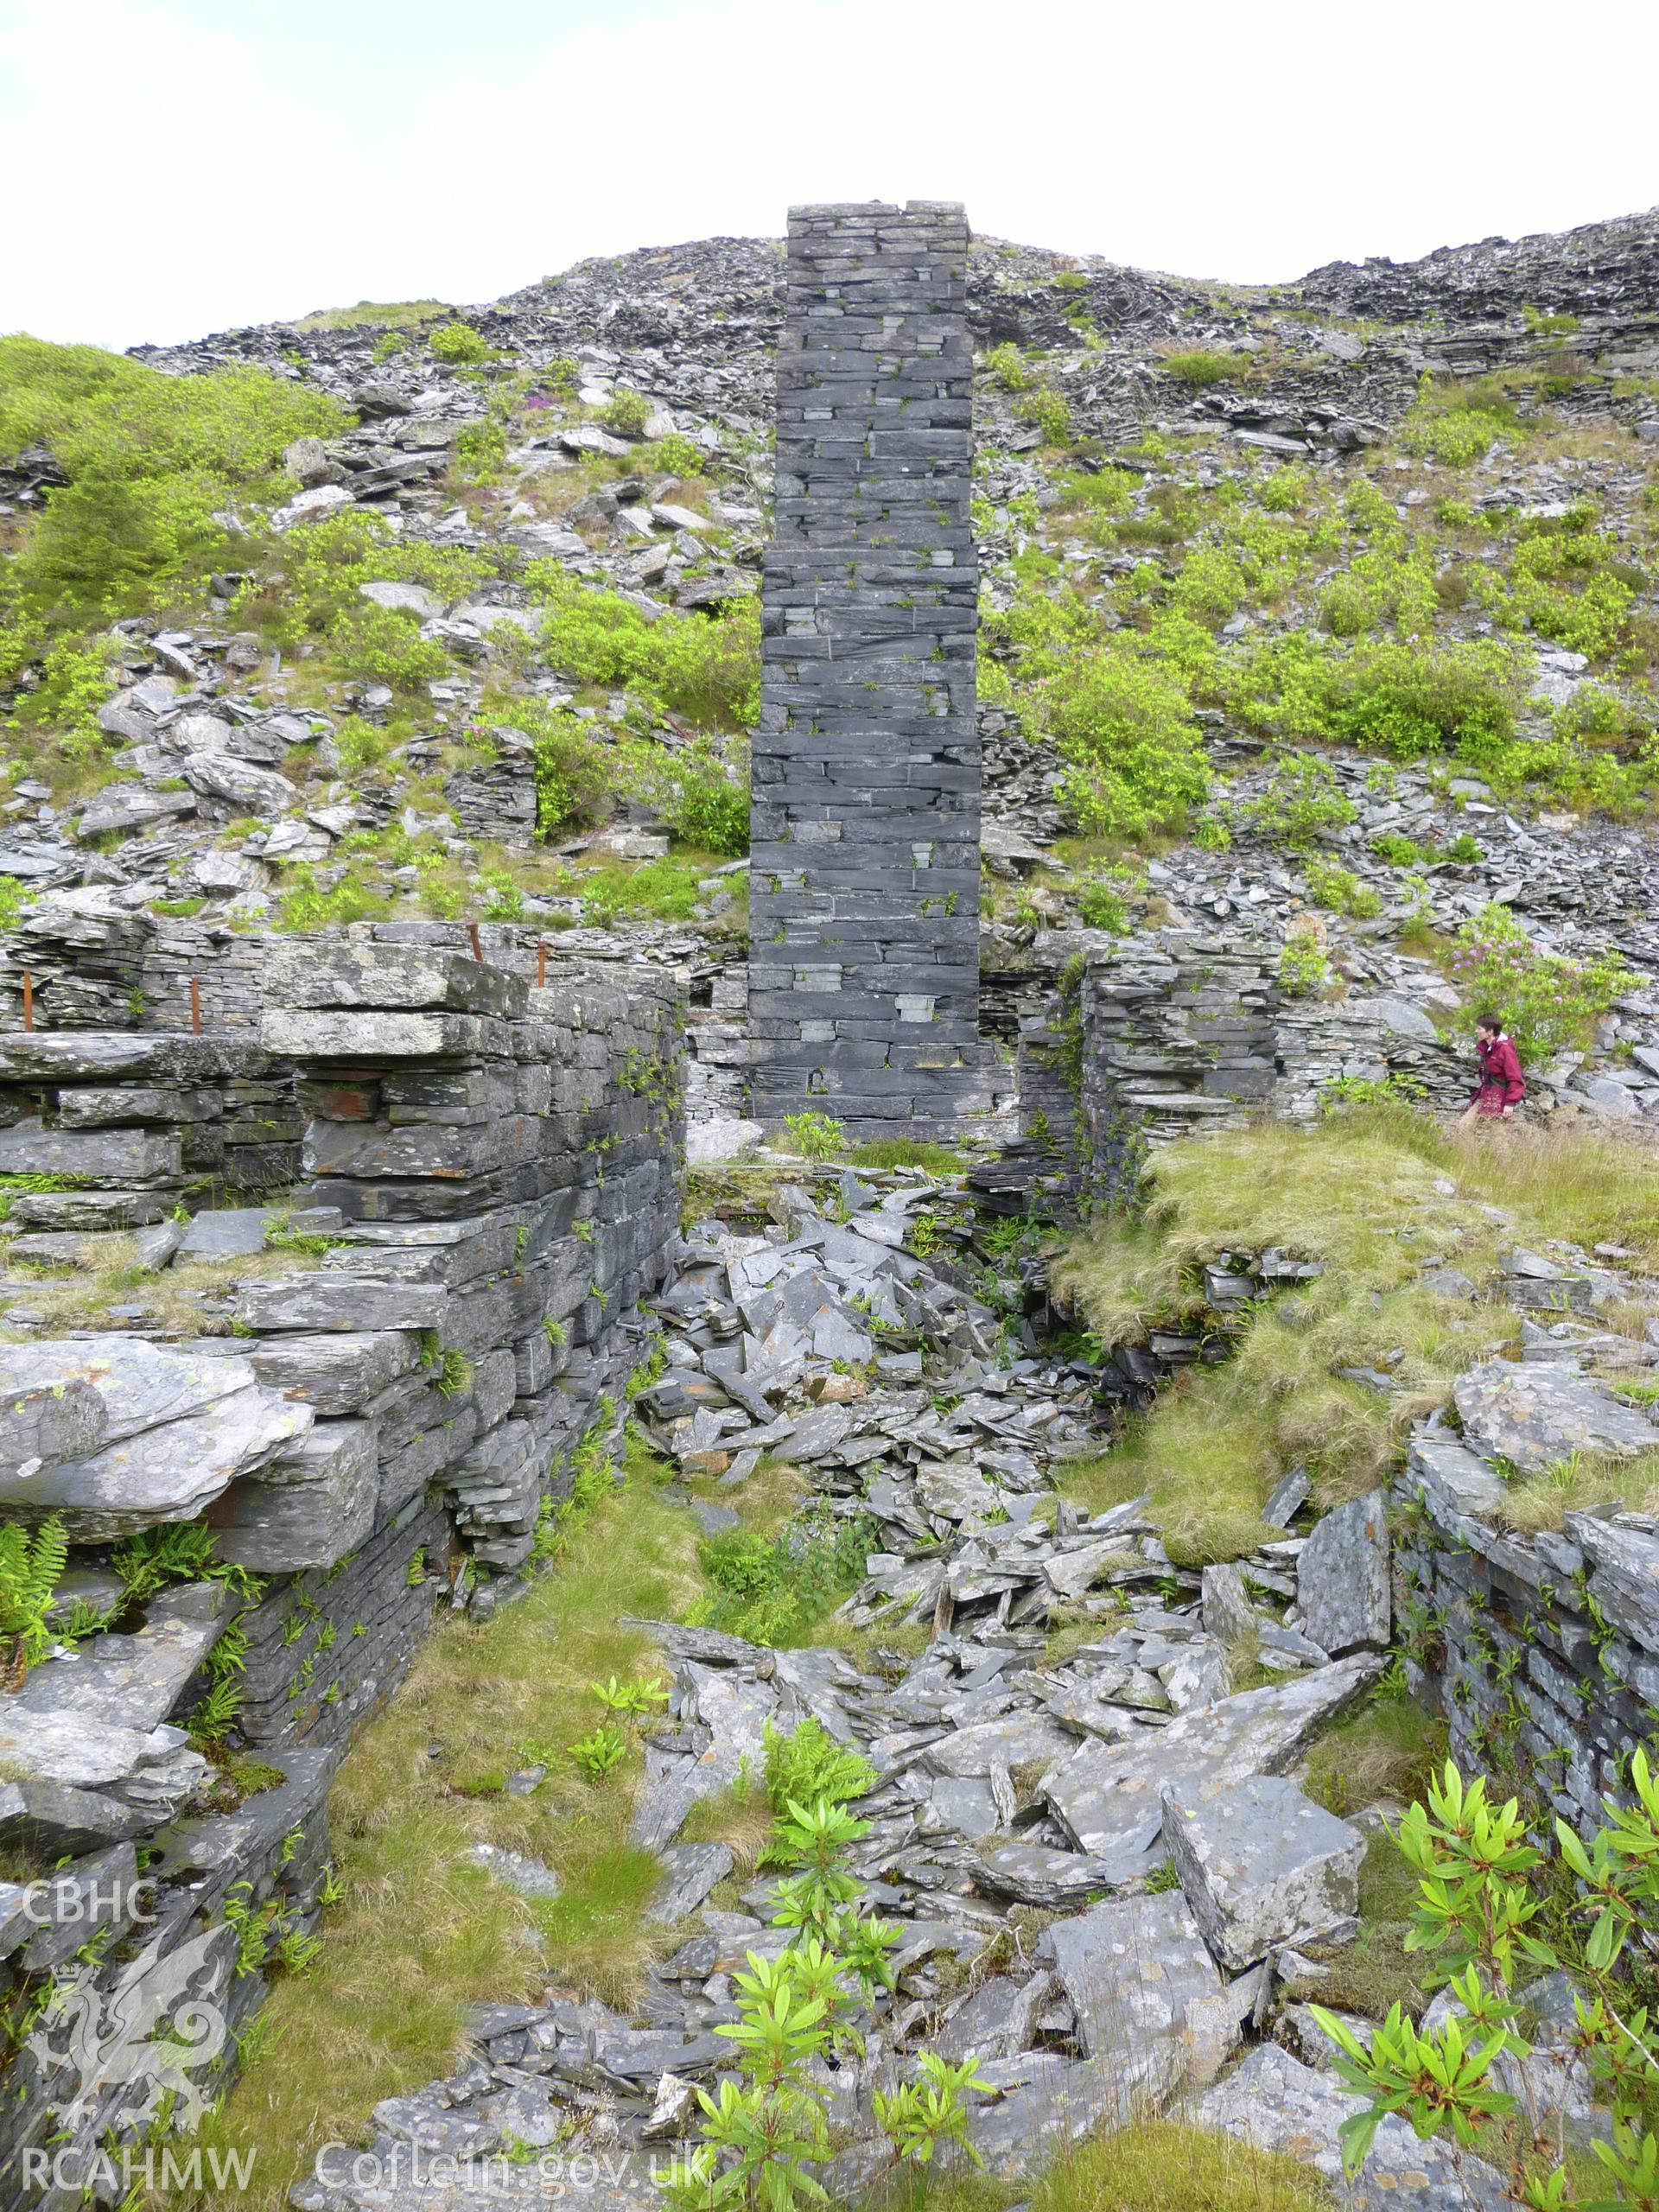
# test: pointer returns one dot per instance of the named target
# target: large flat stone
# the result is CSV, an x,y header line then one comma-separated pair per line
x,y
365,1037
165,1474
132,1681
1035,1873
1149,2000
153,1769
56,1819
227,1233
311,1505
334,1373
1261,1865
1109,1796
391,978
691,1870
346,1302
1342,1577
177,1431
134,1156
1537,1414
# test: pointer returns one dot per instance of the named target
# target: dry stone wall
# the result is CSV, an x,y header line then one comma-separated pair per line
x,y
495,1176
1541,1650
1161,1037
864,856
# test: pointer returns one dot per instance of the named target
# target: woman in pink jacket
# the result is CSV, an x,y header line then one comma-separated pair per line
x,y
1501,1088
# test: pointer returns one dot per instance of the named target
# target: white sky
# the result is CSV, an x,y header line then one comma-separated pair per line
x,y
173,167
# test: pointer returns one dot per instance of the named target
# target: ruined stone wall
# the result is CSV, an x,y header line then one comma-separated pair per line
x,y
1165,1036
495,1178
864,857
1542,1651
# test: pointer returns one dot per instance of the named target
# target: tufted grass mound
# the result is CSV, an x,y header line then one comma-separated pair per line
x,y
1358,1193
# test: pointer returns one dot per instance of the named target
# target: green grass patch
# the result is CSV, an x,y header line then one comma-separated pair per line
x,y
1355,1193
906,1152
423,1934
374,314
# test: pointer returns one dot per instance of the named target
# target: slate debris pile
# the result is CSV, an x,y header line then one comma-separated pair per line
x,y
1098,1858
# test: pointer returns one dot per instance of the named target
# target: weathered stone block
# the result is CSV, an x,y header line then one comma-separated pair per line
x,y
1261,1865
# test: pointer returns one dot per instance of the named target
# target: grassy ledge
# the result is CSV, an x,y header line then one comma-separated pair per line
x,y
423,1932
1377,1194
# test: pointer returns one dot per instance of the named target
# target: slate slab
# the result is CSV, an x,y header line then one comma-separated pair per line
x,y
1342,1577
229,1233
1109,1796
690,1872
1261,1865
1536,1414
1147,1996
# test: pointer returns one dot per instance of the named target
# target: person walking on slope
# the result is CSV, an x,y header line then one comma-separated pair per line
x,y
1501,1086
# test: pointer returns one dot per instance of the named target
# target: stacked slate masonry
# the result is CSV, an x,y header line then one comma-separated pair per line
x,y
496,1171
1163,1036
864,857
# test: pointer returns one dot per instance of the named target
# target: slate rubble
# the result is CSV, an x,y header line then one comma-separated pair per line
x,y
1006,1778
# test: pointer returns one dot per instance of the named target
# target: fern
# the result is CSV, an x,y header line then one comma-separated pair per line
x,y
30,1569
809,1765
179,1551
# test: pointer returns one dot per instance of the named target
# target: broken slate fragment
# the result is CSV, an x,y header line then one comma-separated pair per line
x,y
1342,1577
692,1870
1261,1865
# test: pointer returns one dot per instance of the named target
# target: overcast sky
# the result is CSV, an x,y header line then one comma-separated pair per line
x,y
170,168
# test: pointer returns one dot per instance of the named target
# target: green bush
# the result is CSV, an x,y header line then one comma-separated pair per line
x,y
1100,907
706,668
1303,968
1382,586
1341,890
460,344
480,450
1136,763
665,891
575,773
1393,697
313,597
1286,489
815,1136
1009,368
149,460
702,793
1300,801
1570,583
626,413
774,1589
808,1764
1105,492
1401,852
1545,1001
1457,425
675,455
1205,366
1045,409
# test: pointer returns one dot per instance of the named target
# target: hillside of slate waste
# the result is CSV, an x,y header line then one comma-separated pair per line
x,y
1323,612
